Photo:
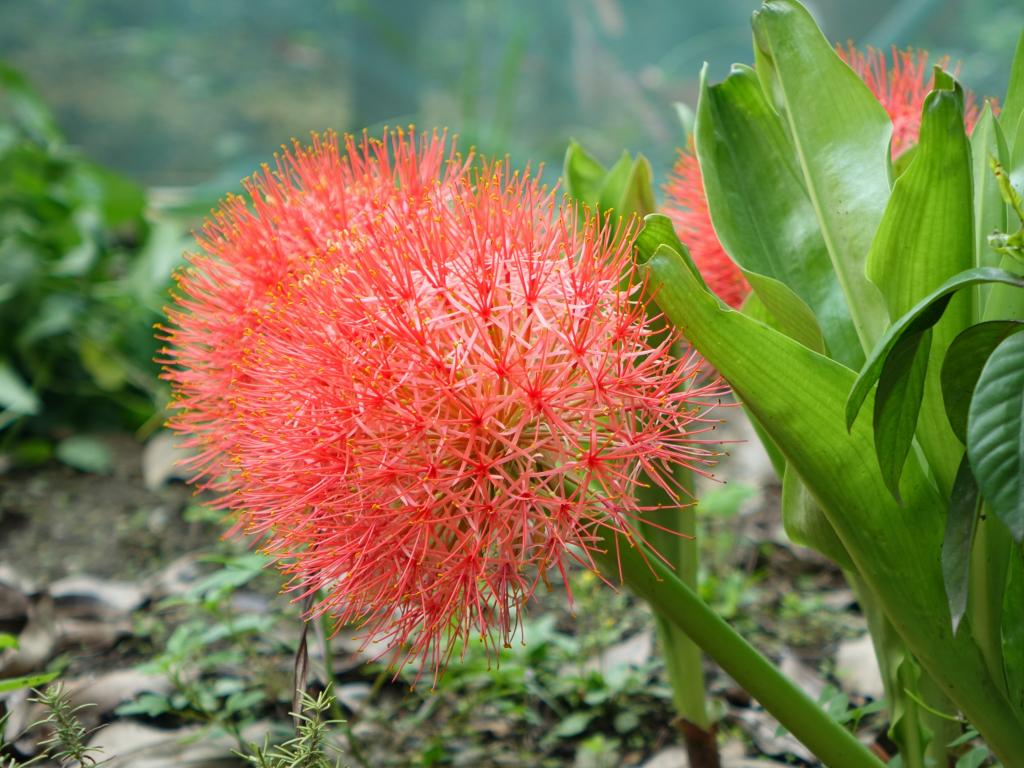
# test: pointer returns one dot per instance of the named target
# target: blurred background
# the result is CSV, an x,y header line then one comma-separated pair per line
x,y
196,93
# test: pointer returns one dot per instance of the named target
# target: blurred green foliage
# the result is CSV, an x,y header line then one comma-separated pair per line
x,y
83,276
192,92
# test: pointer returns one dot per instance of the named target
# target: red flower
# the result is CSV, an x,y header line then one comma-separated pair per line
x,y
426,387
901,87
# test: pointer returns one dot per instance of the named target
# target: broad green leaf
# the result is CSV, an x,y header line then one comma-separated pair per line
x,y
763,216
26,681
792,316
7,640
626,189
1013,629
614,182
995,433
15,395
1013,104
920,318
798,396
901,163
840,135
989,209
962,366
973,758
897,404
658,232
927,235
961,523
1015,167
1003,303
583,175
806,524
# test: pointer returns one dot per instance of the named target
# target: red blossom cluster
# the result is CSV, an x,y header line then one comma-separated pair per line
x,y
425,384
900,85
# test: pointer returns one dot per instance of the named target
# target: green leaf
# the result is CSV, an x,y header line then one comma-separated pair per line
x,y
919,319
573,725
840,134
973,759
792,316
1013,629
962,366
26,681
658,232
961,523
7,640
763,216
582,174
806,524
86,454
989,209
614,182
15,395
898,403
798,396
146,704
995,433
927,235
1013,104
626,189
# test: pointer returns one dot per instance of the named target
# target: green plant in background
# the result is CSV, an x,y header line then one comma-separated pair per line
x,y
219,658
796,165
83,275
309,748
66,744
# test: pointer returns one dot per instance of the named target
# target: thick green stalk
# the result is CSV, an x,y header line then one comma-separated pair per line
x,y
894,660
800,396
674,535
652,580
939,720
990,558
685,670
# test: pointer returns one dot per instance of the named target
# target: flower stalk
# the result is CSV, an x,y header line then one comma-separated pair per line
x,y
649,578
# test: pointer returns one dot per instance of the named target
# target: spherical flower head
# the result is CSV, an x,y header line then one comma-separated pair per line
x,y
901,83
454,389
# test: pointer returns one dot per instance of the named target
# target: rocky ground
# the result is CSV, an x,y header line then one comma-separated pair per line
x,y
182,646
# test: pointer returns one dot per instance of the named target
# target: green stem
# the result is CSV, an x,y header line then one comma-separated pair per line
x,y
684,668
936,719
894,660
674,535
650,579
990,559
